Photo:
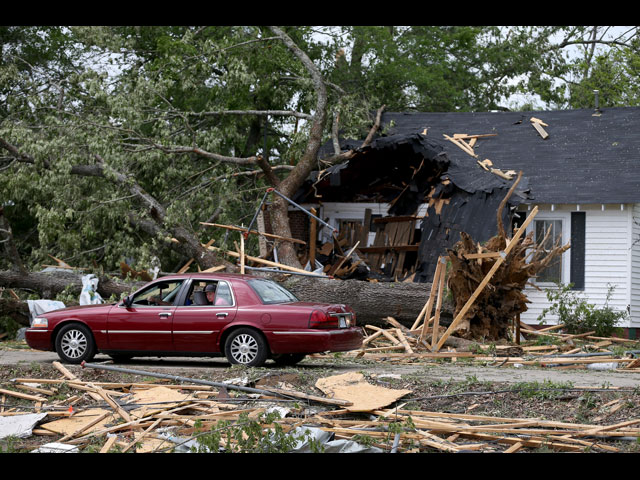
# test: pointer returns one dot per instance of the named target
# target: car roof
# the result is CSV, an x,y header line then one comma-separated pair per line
x,y
208,275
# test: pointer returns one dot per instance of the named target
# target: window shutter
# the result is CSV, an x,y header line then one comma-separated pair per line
x,y
577,250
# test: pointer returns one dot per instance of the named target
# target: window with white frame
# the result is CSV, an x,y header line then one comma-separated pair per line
x,y
551,228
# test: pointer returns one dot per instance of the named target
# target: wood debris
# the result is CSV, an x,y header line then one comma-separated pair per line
x,y
187,411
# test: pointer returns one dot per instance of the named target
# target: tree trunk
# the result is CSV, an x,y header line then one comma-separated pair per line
x,y
50,284
372,302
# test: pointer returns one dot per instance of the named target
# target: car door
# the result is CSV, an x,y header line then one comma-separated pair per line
x,y
196,327
145,326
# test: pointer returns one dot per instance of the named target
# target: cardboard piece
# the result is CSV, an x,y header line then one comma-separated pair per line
x,y
353,387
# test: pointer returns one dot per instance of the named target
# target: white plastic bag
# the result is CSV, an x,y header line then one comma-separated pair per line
x,y
89,294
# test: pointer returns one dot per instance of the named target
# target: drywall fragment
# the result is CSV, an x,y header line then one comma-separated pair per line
x,y
19,426
56,447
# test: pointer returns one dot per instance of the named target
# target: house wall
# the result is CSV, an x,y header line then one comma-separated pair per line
x,y
608,258
635,265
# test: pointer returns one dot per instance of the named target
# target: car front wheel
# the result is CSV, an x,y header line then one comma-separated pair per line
x,y
246,347
74,344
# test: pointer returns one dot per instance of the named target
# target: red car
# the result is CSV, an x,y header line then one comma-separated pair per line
x,y
247,319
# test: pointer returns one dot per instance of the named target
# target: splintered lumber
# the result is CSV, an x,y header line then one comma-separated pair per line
x,y
266,262
24,396
426,311
436,318
255,232
67,374
538,124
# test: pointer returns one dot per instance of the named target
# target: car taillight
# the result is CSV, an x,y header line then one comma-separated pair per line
x,y
320,319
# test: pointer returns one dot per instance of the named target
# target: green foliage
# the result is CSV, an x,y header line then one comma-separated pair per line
x,y
9,326
580,316
546,390
128,94
262,434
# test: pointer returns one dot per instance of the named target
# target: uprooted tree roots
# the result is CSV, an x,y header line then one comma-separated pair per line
x,y
493,311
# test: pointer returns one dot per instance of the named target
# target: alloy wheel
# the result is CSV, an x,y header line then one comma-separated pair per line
x,y
244,348
74,344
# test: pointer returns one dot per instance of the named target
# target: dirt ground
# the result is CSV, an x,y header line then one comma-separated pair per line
x,y
579,396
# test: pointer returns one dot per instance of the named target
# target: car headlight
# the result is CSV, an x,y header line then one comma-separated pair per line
x,y
39,322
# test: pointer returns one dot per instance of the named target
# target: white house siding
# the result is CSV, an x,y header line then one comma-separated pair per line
x,y
635,266
607,257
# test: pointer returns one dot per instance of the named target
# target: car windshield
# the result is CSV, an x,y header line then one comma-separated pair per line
x,y
270,292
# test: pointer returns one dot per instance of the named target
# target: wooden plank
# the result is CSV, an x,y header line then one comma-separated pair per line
x,y
334,268
242,257
255,232
404,341
313,235
472,256
108,444
67,374
486,279
385,248
462,145
24,396
264,262
432,298
436,320
537,124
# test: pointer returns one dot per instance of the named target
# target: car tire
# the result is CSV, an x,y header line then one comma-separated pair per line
x,y
74,344
288,359
246,346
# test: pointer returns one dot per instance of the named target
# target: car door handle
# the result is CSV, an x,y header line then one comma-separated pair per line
x,y
222,314
164,314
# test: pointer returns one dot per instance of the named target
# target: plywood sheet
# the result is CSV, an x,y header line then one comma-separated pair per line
x,y
69,425
156,399
353,387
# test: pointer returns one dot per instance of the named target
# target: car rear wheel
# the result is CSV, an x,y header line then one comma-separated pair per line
x,y
246,347
288,359
74,344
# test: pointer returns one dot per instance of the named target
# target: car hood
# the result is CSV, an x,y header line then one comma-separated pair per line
x,y
102,307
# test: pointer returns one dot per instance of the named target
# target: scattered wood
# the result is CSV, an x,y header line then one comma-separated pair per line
x,y
538,124
355,408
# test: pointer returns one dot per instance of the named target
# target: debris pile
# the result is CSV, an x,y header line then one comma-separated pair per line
x,y
526,346
350,414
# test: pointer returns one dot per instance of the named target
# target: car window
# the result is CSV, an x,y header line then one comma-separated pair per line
x,y
198,296
271,292
223,294
160,293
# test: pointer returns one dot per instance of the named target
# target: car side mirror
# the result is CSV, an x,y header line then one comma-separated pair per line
x,y
127,301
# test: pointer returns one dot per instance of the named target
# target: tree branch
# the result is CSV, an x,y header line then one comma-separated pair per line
x,y
189,243
9,244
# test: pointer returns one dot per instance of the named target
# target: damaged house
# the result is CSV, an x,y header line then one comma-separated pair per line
x,y
429,176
